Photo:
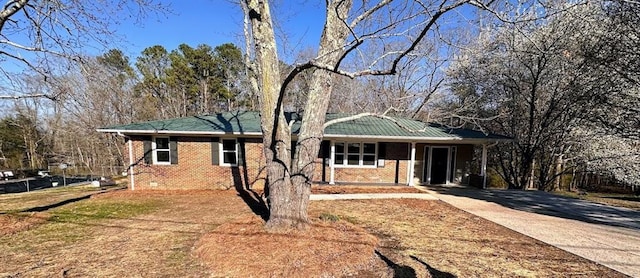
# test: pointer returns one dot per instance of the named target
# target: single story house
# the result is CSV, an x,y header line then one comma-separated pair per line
x,y
225,150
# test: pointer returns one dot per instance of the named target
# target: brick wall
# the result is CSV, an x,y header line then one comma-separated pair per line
x,y
386,174
195,169
394,169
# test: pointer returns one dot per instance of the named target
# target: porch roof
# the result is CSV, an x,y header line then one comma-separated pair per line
x,y
361,126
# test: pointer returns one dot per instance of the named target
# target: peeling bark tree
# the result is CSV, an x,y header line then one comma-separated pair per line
x,y
348,25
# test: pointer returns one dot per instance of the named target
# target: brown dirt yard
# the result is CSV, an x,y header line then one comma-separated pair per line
x,y
216,234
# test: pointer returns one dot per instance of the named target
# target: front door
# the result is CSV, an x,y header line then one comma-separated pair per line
x,y
439,163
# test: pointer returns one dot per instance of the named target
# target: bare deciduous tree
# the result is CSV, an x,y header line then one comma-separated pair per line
x,y
39,35
349,25
612,54
607,155
101,95
541,80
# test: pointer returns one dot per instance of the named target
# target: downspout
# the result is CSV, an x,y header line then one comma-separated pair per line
x,y
130,168
484,164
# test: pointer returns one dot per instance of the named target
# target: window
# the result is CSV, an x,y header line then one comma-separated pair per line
x,y
355,154
229,152
368,154
339,154
161,151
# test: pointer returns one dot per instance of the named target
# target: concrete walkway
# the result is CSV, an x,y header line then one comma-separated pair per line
x,y
603,234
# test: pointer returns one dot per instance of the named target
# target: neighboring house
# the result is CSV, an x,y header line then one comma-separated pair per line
x,y
225,150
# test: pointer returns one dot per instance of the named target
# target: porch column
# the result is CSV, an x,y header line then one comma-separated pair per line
x,y
332,167
483,169
412,163
131,178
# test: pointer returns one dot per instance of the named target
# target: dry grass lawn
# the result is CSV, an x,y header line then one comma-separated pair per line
x,y
613,199
215,234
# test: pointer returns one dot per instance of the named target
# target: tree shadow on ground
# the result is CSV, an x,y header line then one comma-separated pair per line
x,y
631,199
404,271
253,199
58,204
546,203
68,201
434,272
399,271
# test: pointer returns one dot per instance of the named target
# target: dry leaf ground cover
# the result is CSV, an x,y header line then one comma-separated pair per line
x,y
182,234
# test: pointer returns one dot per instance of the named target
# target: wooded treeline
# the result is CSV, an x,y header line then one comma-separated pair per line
x,y
564,85
110,89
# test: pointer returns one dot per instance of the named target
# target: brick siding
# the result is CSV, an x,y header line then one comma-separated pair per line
x,y
394,169
195,170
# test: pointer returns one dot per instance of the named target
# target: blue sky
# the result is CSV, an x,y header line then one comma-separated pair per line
x,y
215,22
194,22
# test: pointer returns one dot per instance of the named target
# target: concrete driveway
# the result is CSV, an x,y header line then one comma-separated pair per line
x,y
604,234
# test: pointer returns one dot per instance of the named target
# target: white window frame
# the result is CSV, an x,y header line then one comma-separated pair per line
x,y
222,151
345,154
154,147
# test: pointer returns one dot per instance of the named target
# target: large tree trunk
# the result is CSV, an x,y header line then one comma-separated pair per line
x,y
557,173
289,184
320,87
283,212
531,180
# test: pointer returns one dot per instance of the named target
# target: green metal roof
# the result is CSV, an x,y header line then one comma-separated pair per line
x,y
230,122
400,127
248,123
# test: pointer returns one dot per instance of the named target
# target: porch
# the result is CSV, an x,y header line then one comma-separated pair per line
x,y
402,163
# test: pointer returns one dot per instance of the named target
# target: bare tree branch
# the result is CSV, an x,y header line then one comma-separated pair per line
x,y
11,8
368,114
42,35
23,96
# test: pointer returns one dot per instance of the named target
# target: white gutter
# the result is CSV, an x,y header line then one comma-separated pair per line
x,y
130,147
417,139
